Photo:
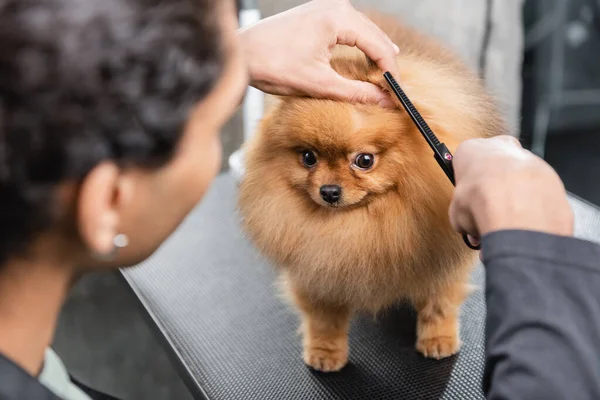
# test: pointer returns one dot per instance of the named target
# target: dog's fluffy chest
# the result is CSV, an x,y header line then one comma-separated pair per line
x,y
366,257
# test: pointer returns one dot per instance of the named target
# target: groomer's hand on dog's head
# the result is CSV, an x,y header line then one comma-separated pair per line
x,y
283,62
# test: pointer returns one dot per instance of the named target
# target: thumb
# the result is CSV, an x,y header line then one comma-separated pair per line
x,y
354,91
461,218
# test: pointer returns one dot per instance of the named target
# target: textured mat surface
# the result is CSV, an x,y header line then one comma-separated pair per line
x,y
213,301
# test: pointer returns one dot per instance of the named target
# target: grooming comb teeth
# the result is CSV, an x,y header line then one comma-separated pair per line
x,y
412,111
441,153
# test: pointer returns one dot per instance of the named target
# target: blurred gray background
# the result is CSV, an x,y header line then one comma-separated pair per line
x,y
102,336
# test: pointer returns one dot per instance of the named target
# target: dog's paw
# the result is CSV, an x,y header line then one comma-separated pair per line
x,y
439,347
326,360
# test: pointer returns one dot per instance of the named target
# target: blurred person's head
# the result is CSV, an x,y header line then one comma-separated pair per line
x,y
109,119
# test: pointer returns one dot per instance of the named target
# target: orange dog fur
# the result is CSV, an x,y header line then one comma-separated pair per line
x,y
388,238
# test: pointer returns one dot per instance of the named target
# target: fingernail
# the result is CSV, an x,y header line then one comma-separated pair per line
x,y
386,103
396,48
474,241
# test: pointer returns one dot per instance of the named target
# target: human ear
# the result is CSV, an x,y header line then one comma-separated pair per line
x,y
102,196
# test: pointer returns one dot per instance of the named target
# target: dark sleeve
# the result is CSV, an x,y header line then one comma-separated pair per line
x,y
16,384
543,317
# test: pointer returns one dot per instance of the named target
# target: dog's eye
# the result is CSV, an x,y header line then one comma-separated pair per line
x,y
364,161
309,158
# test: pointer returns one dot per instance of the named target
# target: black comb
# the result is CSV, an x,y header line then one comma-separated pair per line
x,y
440,152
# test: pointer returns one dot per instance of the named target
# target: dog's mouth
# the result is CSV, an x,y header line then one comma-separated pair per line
x,y
342,204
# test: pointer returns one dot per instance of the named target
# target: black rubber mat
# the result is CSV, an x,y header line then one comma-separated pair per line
x,y
213,301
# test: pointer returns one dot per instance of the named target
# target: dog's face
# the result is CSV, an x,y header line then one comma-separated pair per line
x,y
339,155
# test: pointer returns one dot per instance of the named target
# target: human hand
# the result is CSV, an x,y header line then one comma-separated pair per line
x,y
500,186
290,53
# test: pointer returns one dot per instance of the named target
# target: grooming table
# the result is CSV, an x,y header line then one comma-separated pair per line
x,y
213,302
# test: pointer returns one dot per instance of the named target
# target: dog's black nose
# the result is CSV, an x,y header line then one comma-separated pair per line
x,y
331,193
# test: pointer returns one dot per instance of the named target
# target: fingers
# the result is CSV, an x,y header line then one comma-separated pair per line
x,y
507,139
473,240
470,151
353,91
461,217
381,32
371,40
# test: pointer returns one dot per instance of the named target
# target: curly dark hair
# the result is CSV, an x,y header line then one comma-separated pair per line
x,y
84,81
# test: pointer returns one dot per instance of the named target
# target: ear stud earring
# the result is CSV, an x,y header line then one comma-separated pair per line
x,y
119,242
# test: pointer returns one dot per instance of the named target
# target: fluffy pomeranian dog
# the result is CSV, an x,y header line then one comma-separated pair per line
x,y
349,204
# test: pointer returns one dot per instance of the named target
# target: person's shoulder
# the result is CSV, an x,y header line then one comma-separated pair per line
x,y
16,384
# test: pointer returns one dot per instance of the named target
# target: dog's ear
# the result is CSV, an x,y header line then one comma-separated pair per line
x,y
371,66
352,63
374,75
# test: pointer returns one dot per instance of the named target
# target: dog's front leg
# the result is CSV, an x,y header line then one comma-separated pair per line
x,y
324,331
438,321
